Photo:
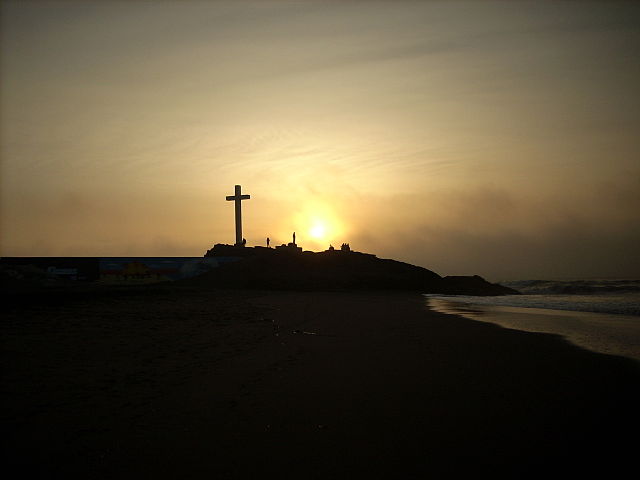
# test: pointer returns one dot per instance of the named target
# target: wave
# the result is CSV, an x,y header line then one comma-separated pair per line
x,y
574,287
617,303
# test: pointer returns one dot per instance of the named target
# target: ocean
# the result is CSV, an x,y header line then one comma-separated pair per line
x,y
601,315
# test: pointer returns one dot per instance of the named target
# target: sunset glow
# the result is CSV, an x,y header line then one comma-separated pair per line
x,y
423,131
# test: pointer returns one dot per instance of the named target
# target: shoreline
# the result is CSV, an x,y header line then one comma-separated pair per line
x,y
605,333
187,382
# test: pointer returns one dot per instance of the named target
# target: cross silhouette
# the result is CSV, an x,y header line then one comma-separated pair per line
x,y
238,197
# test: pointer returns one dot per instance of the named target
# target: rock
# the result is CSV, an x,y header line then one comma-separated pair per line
x,y
282,269
472,285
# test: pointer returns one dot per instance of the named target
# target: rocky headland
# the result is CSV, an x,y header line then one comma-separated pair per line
x,y
289,268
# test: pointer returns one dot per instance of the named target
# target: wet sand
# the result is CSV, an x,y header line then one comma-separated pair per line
x,y
167,382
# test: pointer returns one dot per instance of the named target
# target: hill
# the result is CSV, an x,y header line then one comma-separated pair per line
x,y
291,269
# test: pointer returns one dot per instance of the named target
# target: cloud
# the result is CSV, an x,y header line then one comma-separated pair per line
x,y
504,235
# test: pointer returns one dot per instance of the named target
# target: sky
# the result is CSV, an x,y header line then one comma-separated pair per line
x,y
491,138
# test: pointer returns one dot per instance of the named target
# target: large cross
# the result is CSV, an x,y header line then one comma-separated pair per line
x,y
238,197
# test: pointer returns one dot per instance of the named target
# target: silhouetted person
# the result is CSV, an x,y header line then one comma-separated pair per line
x,y
244,242
268,241
294,238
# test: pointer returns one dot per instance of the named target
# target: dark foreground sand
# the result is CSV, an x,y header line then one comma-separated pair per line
x,y
165,382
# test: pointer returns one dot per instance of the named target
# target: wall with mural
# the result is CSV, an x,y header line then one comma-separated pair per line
x,y
113,270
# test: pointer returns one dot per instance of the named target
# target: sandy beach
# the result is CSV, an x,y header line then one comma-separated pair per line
x,y
187,382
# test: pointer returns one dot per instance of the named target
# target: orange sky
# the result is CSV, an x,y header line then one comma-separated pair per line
x,y
489,138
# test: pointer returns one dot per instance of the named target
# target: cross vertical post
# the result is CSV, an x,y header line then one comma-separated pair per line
x,y
237,198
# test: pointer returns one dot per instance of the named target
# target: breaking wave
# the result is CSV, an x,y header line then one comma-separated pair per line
x,y
573,287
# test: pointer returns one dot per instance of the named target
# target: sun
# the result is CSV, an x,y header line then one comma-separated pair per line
x,y
318,226
318,230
